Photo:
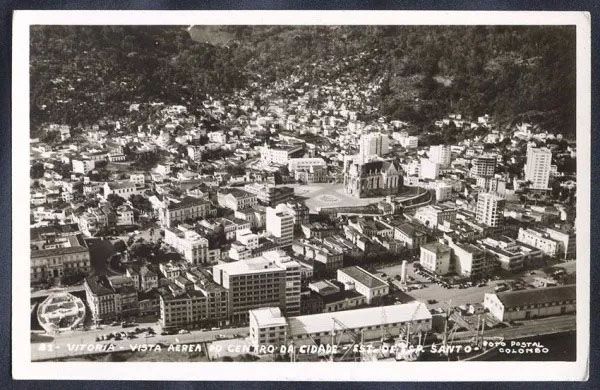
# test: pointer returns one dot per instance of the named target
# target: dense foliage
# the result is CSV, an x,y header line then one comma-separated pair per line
x,y
80,74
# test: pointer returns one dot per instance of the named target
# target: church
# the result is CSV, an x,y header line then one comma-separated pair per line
x,y
373,178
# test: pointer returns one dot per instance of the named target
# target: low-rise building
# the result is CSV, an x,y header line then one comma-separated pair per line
x,y
367,284
527,304
236,199
187,209
56,252
269,327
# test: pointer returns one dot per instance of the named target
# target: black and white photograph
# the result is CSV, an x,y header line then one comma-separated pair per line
x,y
289,189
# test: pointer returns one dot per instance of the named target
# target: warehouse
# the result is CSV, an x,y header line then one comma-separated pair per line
x,y
526,304
268,325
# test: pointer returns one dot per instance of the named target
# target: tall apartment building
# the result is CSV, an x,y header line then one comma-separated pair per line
x,y
429,169
298,211
281,225
470,260
490,208
537,168
440,154
186,241
436,257
483,166
271,280
373,144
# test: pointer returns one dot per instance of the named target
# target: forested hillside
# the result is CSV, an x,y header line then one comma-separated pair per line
x,y
82,73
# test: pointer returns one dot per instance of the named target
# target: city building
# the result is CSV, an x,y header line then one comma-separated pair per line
x,y
111,297
124,189
269,326
298,211
270,195
367,284
483,166
470,261
440,154
187,209
540,239
272,280
373,144
537,167
280,154
533,303
429,169
511,255
434,216
280,225
57,251
490,209
236,199
329,256
185,240
436,257
374,178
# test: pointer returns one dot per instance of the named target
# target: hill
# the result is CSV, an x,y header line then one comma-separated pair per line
x,y
82,73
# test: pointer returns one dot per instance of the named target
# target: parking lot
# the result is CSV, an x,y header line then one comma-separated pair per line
x,y
436,295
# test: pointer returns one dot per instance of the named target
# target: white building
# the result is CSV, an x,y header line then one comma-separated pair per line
x,y
429,169
83,166
436,257
527,304
537,168
268,326
281,225
490,209
373,144
365,283
440,154
539,239
192,246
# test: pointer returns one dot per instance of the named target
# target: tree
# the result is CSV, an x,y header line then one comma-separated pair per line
x,y
140,202
37,171
115,200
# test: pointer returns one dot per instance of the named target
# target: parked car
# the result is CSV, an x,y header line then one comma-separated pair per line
x,y
184,331
221,336
432,301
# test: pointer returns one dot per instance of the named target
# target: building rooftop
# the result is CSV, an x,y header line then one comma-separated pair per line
x,y
363,277
360,318
436,247
537,296
268,316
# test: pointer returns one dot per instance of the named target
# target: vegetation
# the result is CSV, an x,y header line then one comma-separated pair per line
x,y
80,74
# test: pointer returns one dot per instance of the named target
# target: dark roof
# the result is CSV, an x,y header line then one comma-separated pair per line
x,y
362,276
340,296
36,233
537,296
188,201
99,285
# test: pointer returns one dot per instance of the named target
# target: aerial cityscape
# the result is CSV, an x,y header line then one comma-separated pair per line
x,y
302,193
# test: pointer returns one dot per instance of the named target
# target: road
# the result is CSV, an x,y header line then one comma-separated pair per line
x,y
59,346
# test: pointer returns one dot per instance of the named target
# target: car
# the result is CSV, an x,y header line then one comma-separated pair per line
x,y
220,336
183,331
383,275
164,333
118,336
98,338
432,301
114,323
215,328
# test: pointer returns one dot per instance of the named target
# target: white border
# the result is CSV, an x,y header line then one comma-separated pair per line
x,y
23,368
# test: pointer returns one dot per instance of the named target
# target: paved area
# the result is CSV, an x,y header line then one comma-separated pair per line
x,y
325,195
453,296
100,251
